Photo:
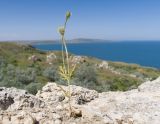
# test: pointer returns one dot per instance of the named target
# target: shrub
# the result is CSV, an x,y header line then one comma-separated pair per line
x,y
104,86
26,76
86,76
51,73
2,62
123,84
1,73
33,87
10,71
10,82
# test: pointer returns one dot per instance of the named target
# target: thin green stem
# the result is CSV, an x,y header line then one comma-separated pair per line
x,y
65,24
68,70
67,56
63,59
67,73
65,46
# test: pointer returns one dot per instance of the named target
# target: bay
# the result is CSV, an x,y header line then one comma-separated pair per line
x,y
143,53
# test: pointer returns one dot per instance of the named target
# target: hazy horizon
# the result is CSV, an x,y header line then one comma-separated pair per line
x,y
82,39
111,20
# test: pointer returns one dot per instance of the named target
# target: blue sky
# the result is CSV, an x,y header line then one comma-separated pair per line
x,y
104,19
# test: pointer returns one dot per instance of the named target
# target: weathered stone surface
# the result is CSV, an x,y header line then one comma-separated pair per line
x,y
53,94
50,58
34,58
15,99
150,86
77,59
138,106
103,65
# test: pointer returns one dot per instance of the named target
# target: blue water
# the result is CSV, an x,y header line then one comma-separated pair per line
x,y
143,53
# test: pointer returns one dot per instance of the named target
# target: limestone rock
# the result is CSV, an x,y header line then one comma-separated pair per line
x,y
103,65
77,59
138,106
53,94
150,86
34,58
50,58
15,99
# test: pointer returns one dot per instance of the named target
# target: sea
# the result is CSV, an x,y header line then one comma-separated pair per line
x,y
146,53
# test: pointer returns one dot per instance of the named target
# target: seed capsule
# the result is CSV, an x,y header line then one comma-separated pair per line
x,y
61,30
68,15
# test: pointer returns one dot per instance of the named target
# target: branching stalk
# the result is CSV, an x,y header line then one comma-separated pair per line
x,y
66,71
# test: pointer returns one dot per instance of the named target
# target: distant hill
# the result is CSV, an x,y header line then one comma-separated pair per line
x,y
87,40
77,40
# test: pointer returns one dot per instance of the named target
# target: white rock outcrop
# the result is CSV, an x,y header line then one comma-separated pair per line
x,y
50,58
16,99
34,58
77,59
103,65
50,106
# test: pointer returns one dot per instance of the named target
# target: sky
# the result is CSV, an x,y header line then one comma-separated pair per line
x,y
100,19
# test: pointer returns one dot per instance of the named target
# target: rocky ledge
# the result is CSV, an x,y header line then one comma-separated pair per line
x,y
50,106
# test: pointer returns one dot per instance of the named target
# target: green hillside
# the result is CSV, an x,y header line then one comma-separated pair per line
x,y
25,67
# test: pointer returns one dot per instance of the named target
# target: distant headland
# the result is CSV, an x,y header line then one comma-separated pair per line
x,y
57,41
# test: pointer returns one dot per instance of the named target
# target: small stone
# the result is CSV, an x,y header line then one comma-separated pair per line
x,y
61,98
59,107
58,121
6,120
56,116
29,120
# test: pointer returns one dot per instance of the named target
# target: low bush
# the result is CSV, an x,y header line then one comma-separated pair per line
x,y
51,73
33,87
26,76
86,76
123,84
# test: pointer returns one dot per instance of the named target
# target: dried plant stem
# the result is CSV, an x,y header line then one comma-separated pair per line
x,y
64,45
66,71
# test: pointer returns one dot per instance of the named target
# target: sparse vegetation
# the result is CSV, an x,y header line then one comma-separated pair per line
x,y
86,76
51,73
14,61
